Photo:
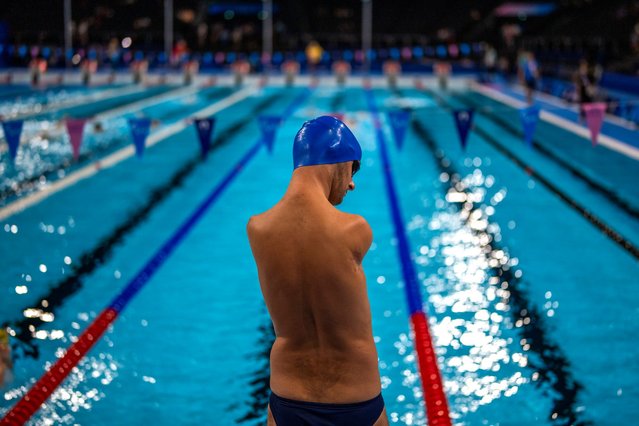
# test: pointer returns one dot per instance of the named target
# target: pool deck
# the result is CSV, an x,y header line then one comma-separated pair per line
x,y
616,134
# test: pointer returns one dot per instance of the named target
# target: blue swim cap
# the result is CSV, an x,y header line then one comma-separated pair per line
x,y
325,140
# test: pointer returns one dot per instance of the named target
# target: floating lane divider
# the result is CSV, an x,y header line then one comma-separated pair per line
x,y
48,383
434,397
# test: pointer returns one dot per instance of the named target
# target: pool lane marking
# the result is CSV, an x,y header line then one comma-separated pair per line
x,y
117,157
605,140
623,242
615,236
52,378
434,397
544,150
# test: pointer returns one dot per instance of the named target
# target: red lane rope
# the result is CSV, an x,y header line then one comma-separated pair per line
x,y
48,383
435,399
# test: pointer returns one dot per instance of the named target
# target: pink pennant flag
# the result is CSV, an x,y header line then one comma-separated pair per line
x,y
595,112
75,128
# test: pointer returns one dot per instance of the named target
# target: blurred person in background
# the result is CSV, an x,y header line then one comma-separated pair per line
x,y
314,54
634,39
528,73
585,79
490,62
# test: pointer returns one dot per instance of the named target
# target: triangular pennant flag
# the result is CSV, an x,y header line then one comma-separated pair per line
x,y
140,128
595,112
399,123
268,126
529,117
204,127
463,121
75,128
12,131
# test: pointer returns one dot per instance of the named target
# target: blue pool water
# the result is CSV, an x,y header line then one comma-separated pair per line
x,y
532,307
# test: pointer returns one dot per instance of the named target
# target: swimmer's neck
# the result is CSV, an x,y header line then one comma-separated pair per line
x,y
311,181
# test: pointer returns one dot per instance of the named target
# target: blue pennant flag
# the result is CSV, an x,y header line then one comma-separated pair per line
x,y
268,126
204,127
529,118
399,123
140,129
463,121
12,131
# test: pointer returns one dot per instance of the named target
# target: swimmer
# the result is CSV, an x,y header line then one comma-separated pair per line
x,y
309,260
5,358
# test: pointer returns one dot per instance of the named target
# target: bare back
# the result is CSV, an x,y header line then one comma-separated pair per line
x,y
309,258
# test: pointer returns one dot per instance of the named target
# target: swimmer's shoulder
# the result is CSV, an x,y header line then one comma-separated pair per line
x,y
358,233
255,225
260,223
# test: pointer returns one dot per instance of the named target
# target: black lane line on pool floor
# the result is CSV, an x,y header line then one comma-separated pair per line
x,y
259,379
554,368
615,236
52,172
92,259
610,195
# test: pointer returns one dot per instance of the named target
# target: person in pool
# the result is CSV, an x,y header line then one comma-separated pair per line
x,y
5,358
309,260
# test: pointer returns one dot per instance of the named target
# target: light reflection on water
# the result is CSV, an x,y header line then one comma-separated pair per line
x,y
45,153
469,307
466,252
472,328
36,102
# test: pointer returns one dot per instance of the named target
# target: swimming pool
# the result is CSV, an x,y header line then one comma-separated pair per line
x,y
531,305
